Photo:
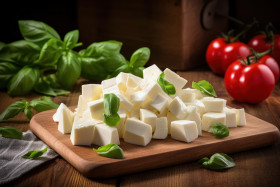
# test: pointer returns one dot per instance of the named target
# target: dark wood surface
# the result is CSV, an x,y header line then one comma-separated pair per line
x,y
258,167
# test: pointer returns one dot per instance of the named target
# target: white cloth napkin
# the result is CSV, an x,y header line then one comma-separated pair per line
x,y
12,165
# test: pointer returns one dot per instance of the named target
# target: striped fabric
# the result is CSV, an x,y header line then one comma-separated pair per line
x,y
12,165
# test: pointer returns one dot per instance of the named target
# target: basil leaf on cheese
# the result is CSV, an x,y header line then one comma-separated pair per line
x,y
166,86
110,150
10,132
34,154
111,107
205,87
219,130
218,161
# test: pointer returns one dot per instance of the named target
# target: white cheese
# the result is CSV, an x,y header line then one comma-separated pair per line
x,y
178,108
92,91
137,132
175,79
124,102
121,79
230,117
170,118
96,109
121,126
82,131
87,115
198,93
160,103
151,73
186,95
153,89
161,130
240,117
138,98
58,111
184,130
148,117
66,118
210,118
193,115
199,106
213,104
83,104
103,135
105,84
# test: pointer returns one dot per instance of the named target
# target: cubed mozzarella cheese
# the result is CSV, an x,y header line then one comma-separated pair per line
x,y
148,117
186,95
199,106
105,84
82,131
137,132
87,115
178,108
184,130
213,104
121,126
121,80
138,98
230,117
160,103
114,89
174,78
83,104
58,111
198,93
66,118
103,135
92,91
124,102
170,118
161,130
96,109
193,115
240,117
151,73
153,89
210,118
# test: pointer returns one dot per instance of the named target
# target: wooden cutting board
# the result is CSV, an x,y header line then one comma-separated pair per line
x,y
158,153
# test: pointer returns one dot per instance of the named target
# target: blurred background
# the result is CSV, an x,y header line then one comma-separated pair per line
x,y
176,31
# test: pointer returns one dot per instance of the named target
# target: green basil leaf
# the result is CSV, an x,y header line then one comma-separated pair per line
x,y
42,104
2,44
111,120
68,69
219,161
219,130
34,154
111,107
7,71
205,87
124,68
166,86
20,52
28,113
93,69
138,71
10,132
203,160
13,109
23,81
140,57
50,52
37,32
71,39
110,150
51,79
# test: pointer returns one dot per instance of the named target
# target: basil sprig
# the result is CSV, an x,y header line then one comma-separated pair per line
x,y
10,132
34,154
218,161
219,130
111,107
166,86
205,87
110,150
41,104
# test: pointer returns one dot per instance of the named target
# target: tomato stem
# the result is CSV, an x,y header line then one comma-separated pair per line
x,y
247,27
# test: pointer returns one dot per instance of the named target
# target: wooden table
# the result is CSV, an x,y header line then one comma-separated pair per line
x,y
258,167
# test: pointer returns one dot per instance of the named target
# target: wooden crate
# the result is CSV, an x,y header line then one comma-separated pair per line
x,y
170,28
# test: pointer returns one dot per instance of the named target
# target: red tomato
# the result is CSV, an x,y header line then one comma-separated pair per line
x,y
272,64
252,83
259,44
220,55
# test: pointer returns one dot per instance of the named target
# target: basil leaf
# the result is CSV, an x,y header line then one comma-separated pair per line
x,y
111,107
13,109
140,57
23,81
68,69
20,52
110,150
34,154
218,161
10,132
124,68
2,44
166,86
36,31
205,87
50,52
138,71
28,113
43,104
219,130
71,39
7,71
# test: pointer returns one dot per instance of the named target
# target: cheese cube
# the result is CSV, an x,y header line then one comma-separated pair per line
x,y
240,117
134,80
151,73
58,111
138,98
121,126
159,103
124,102
66,119
184,130
87,115
137,132
210,118
91,90
161,130
114,89
134,113
230,117
83,104
186,95
121,80
96,109
104,134
198,94
82,131
178,108
148,117
105,84
153,89
193,115
213,104
174,78
170,118
199,106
